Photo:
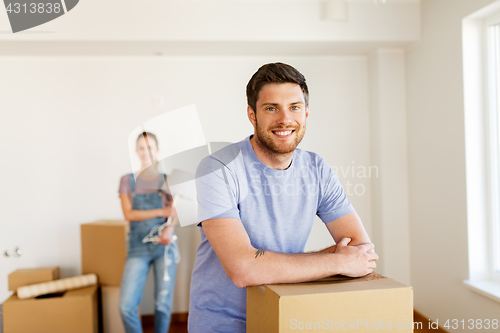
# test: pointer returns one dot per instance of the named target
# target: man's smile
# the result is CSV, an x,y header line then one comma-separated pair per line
x,y
283,133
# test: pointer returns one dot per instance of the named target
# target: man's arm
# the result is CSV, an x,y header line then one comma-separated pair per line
x,y
349,225
246,265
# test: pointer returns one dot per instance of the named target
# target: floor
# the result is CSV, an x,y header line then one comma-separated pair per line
x,y
178,324
174,328
425,326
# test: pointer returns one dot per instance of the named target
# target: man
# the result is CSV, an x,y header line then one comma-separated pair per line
x,y
257,200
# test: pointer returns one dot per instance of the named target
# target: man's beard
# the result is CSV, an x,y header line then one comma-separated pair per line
x,y
268,143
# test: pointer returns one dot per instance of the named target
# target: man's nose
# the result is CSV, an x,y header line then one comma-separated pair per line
x,y
284,117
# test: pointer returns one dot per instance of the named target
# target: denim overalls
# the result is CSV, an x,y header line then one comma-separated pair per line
x,y
140,256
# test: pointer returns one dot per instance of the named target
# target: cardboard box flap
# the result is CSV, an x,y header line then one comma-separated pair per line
x,y
336,285
26,276
79,292
67,294
54,269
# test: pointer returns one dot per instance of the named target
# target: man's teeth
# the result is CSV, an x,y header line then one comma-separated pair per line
x,y
283,132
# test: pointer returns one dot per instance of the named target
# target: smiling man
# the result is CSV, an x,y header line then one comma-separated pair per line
x,y
257,200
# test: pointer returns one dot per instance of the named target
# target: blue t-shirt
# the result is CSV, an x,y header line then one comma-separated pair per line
x,y
277,209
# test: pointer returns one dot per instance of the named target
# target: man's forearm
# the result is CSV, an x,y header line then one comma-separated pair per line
x,y
246,265
330,249
268,267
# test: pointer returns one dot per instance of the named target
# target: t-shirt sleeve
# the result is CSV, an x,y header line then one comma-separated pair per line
x,y
125,185
333,202
217,191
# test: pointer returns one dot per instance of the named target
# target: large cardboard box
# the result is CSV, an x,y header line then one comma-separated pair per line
x,y
74,311
368,304
111,318
27,276
104,250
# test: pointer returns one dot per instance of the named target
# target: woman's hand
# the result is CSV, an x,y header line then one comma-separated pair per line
x,y
166,236
167,211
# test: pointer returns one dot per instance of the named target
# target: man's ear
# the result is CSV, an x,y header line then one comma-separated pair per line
x,y
307,111
251,115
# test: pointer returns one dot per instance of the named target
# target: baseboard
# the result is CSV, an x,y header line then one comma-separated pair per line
x,y
148,319
178,317
419,318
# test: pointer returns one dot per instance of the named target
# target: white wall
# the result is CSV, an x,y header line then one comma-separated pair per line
x,y
66,122
389,152
439,256
225,20
73,89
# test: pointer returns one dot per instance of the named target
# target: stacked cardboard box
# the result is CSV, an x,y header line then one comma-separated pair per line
x,y
71,311
104,251
24,277
368,304
111,319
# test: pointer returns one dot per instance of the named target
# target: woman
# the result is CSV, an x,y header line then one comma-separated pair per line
x,y
147,205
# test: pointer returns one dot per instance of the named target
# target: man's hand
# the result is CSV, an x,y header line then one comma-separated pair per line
x,y
357,260
330,249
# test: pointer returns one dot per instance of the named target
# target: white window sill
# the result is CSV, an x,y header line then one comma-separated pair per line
x,y
486,288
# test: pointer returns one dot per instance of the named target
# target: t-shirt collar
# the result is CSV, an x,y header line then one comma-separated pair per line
x,y
262,164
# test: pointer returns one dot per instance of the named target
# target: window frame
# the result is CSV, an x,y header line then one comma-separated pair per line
x,y
492,84
478,128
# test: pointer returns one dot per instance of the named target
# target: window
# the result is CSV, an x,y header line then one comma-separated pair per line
x,y
481,59
492,28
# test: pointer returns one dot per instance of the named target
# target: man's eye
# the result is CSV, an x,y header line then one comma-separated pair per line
x,y
295,107
271,108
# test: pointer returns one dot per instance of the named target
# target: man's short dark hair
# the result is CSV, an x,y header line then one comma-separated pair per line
x,y
274,73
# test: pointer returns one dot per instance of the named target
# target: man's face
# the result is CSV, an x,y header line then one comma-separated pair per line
x,y
280,117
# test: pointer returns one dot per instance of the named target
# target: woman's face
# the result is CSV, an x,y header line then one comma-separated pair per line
x,y
147,149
